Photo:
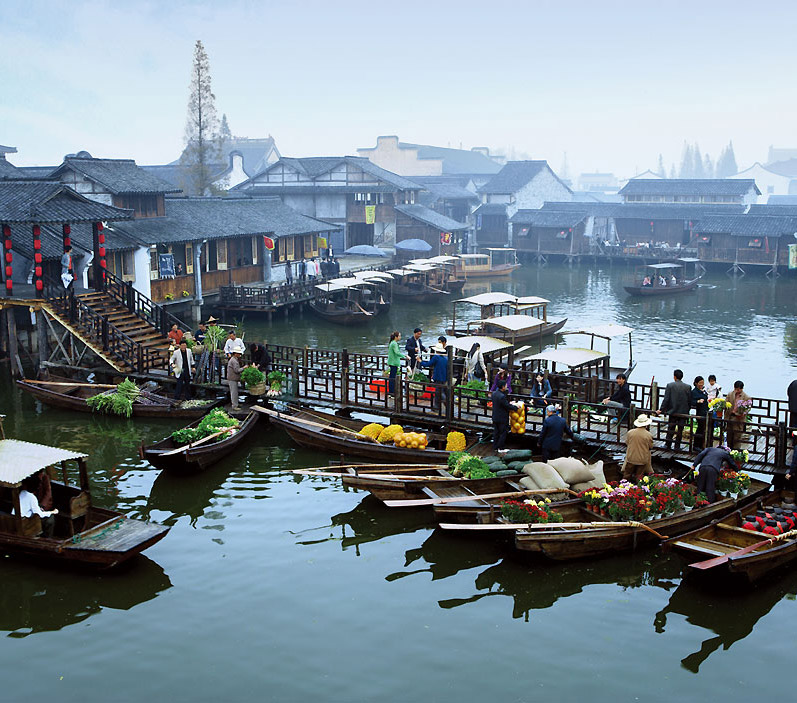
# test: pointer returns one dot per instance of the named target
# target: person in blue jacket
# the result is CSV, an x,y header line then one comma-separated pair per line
x,y
438,363
553,430
541,390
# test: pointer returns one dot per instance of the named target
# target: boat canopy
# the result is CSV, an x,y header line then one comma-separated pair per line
x,y
420,267
330,287
514,323
488,344
607,330
531,301
568,356
689,260
401,272
485,299
471,257
19,459
659,267
373,274
442,259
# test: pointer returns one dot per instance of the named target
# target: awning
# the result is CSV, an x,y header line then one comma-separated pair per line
x,y
373,274
531,301
514,323
488,344
484,299
423,268
19,459
664,266
568,357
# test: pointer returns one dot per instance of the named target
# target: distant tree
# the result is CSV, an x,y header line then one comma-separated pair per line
x,y
697,160
201,155
726,163
708,167
672,171
687,163
225,135
660,168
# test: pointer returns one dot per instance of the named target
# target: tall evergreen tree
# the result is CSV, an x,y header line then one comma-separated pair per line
x,y
708,167
660,168
697,160
201,154
687,162
225,135
732,167
672,171
726,163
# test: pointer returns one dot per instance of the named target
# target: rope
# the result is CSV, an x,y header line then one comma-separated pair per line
x,y
115,526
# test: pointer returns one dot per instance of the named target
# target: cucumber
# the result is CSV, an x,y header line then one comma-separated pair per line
x,y
506,472
516,454
492,460
516,466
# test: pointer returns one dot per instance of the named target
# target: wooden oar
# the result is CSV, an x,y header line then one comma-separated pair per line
x,y
67,383
191,445
399,477
717,561
547,526
370,468
463,499
310,423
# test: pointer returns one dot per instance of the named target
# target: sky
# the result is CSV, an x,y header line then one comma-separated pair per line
x,y
610,84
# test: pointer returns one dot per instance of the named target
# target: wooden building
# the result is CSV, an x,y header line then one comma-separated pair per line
x,y
699,191
549,232
440,232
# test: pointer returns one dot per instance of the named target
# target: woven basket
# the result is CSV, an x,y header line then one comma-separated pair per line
x,y
257,389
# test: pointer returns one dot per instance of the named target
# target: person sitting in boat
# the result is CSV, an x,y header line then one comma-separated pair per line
x,y
502,375
29,506
44,490
673,280
553,430
662,281
711,461
646,282
541,390
474,364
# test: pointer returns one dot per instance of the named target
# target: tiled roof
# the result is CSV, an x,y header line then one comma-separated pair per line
x,y
674,211
191,219
50,201
431,218
445,189
490,209
778,209
513,176
548,218
689,186
455,160
117,175
8,170
587,207
786,168
747,225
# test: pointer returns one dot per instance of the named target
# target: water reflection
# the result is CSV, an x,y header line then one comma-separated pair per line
x,y
731,616
44,600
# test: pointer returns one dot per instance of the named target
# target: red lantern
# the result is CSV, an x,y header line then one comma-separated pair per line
x,y
67,230
9,284
9,257
9,271
36,230
101,239
6,231
8,243
100,227
102,251
37,244
268,242
37,272
37,257
103,264
39,284
67,242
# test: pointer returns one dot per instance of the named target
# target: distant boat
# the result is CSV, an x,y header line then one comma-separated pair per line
x,y
654,286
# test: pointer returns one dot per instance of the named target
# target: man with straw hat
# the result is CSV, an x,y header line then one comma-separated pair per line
x,y
639,442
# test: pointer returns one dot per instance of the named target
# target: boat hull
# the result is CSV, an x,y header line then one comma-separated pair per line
x,y
342,317
497,272
653,291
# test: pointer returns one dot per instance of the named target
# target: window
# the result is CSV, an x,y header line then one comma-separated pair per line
x,y
221,255
189,258
754,243
255,245
153,263
128,266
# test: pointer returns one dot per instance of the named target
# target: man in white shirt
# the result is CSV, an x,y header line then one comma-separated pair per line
x,y
29,506
230,344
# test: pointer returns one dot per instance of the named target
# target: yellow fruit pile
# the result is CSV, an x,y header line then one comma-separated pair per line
x,y
388,435
517,420
372,430
411,440
455,442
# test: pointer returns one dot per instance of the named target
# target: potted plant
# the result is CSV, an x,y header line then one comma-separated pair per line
x,y
168,296
186,294
254,379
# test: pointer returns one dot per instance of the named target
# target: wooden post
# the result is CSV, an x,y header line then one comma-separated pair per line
x,y
654,395
13,346
450,387
41,338
84,475
344,386
17,510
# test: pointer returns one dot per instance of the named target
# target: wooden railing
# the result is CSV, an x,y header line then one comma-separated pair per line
x,y
140,305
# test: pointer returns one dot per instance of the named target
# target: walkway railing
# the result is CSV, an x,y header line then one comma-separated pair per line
x,y
140,305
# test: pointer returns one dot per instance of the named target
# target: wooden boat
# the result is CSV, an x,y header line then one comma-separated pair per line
x,y
72,396
324,431
588,538
412,283
197,457
83,534
496,262
734,553
343,302
654,288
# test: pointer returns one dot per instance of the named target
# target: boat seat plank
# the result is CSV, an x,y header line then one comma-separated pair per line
x,y
696,545
118,539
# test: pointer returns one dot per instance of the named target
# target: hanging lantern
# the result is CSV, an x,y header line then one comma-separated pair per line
x,y
39,284
100,227
37,244
102,251
9,271
37,257
67,230
37,272
101,238
268,242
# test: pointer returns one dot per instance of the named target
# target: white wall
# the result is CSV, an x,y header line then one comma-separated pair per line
x,y
768,183
141,270
404,162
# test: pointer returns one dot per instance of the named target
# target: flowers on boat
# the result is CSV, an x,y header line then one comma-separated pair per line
x,y
653,495
529,511
730,481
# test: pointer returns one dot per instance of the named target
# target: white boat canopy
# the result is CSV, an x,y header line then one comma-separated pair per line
x,y
373,274
487,344
663,266
19,459
330,287
420,267
442,259
568,356
531,301
514,323
485,299
473,256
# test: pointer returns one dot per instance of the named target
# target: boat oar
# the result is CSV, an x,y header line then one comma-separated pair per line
x,y
398,477
191,445
547,526
68,383
462,499
717,561
310,423
369,468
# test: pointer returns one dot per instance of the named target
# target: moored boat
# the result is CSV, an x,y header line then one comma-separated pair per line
x,y
168,455
83,533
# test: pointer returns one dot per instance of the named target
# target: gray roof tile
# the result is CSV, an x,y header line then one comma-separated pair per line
x,y
513,176
117,175
689,186
38,201
747,225
430,217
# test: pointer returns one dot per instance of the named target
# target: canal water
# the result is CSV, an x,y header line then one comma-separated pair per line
x,y
275,587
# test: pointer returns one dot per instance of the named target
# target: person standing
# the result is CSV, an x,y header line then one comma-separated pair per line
x,y
791,394
175,334
394,357
438,363
302,270
677,398
288,273
502,375
182,362
501,410
337,267
553,430
620,399
711,460
541,390
230,343
67,271
414,348
234,369
700,404
639,442
474,364
201,332
738,406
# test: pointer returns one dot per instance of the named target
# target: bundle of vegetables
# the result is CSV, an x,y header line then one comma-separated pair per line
x,y
118,402
276,380
517,420
453,458
468,466
252,376
411,440
372,430
388,435
215,421
419,377
455,442
194,403
471,388
214,337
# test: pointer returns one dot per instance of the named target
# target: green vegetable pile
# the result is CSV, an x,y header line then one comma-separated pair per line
x,y
252,376
471,388
276,380
419,377
215,421
466,466
118,402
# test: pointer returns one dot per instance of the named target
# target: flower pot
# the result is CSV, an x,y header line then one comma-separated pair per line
x,y
734,496
687,508
257,389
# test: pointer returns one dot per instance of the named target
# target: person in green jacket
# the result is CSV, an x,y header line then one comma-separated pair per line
x,y
394,357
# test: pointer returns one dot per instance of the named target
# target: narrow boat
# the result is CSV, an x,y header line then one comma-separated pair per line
x,y
83,534
662,279
72,396
324,431
726,550
343,302
193,458
495,262
412,283
582,536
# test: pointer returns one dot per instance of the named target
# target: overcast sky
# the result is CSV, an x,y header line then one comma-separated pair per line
x,y
613,84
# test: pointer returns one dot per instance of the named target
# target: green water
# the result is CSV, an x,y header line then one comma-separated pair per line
x,y
272,587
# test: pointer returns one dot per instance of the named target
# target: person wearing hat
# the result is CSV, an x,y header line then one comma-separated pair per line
x,y
553,430
414,348
234,369
638,442
711,461
438,363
